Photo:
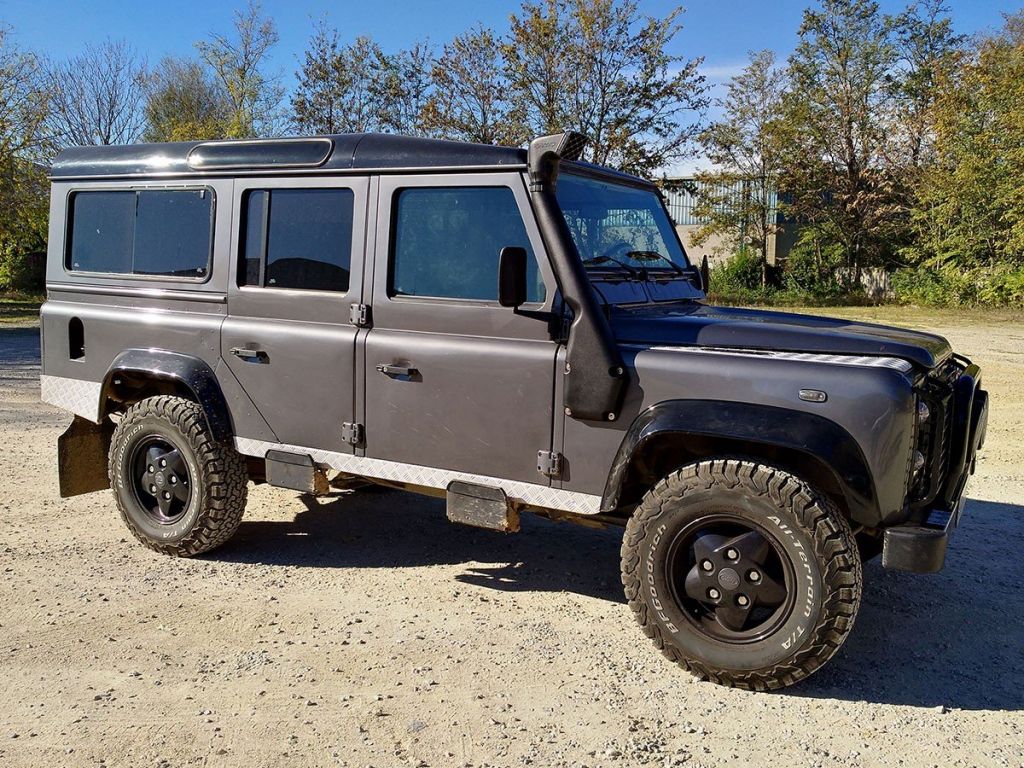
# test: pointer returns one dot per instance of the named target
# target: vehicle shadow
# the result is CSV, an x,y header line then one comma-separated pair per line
x,y
379,528
952,639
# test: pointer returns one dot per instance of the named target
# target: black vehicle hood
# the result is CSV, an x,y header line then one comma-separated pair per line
x,y
706,326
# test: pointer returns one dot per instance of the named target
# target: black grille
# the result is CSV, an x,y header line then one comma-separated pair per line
x,y
934,436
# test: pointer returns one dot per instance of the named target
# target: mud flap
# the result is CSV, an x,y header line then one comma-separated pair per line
x,y
297,472
82,457
482,507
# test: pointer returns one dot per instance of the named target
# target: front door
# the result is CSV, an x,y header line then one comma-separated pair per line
x,y
455,383
288,339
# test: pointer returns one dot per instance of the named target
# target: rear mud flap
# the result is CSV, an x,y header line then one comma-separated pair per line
x,y
82,457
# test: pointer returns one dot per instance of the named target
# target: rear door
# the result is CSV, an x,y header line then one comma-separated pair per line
x,y
455,383
288,338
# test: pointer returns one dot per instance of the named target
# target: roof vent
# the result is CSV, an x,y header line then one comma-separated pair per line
x,y
260,154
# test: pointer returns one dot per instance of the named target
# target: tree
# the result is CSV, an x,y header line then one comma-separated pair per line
x,y
96,97
928,53
239,65
837,129
406,85
340,86
971,206
744,149
24,148
185,102
469,101
602,68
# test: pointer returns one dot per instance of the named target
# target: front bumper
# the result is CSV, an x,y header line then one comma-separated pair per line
x,y
919,546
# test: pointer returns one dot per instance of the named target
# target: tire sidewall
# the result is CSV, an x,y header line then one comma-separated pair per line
x,y
129,436
794,542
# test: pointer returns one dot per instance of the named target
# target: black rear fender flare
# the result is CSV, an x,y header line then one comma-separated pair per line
x,y
139,368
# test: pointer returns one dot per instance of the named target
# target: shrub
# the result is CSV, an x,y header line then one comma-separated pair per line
x,y
954,286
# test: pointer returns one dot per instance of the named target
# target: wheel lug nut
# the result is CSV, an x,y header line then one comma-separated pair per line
x,y
707,565
742,600
754,576
167,495
173,480
714,594
152,489
732,554
150,469
163,463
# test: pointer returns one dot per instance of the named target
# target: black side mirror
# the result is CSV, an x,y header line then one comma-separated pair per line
x,y
705,275
512,277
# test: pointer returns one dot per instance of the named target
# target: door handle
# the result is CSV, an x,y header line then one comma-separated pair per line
x,y
397,371
250,355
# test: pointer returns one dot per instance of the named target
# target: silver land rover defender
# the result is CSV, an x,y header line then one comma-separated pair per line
x,y
511,330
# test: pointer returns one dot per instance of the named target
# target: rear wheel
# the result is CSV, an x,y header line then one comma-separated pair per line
x,y
179,490
741,573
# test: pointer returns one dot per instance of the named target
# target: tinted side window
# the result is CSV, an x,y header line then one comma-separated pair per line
x,y
102,231
166,233
446,242
172,233
298,238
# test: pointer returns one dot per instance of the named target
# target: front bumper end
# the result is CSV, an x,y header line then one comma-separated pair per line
x,y
919,546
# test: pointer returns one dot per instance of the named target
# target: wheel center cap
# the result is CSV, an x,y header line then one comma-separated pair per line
x,y
160,480
728,578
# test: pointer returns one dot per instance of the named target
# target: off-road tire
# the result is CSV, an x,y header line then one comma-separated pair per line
x,y
803,520
219,481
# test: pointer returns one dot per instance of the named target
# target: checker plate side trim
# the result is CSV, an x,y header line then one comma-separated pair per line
x,y
431,477
82,398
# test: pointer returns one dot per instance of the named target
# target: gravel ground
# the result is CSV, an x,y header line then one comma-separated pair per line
x,y
364,629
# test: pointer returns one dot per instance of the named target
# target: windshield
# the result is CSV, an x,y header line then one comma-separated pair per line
x,y
618,227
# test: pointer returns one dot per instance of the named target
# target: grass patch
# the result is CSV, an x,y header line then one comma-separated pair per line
x,y
18,307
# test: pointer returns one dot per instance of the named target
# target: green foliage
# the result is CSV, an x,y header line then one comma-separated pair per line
x,y
469,101
24,148
184,102
740,273
238,62
970,207
744,148
815,265
952,285
603,68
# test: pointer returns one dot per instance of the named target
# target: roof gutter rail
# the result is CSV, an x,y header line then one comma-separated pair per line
x,y
595,376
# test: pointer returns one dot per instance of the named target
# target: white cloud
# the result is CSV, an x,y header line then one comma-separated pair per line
x,y
722,73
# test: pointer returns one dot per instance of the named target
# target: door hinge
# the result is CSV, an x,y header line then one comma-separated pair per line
x,y
549,463
359,315
352,433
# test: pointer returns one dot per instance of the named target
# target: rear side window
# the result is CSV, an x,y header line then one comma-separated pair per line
x,y
298,238
446,243
147,232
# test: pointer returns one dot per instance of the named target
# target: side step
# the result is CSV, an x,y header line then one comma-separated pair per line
x,y
296,471
482,507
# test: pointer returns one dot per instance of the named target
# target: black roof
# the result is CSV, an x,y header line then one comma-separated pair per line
x,y
342,152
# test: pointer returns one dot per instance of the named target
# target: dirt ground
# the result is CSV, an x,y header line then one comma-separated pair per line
x,y
364,629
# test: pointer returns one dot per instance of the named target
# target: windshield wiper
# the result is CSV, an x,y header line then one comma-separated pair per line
x,y
654,255
593,261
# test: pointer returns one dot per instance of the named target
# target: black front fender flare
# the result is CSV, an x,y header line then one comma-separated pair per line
x,y
815,437
191,372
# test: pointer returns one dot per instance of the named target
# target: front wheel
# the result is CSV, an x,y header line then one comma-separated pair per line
x,y
741,573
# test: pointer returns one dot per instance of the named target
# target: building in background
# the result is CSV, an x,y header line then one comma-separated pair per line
x,y
681,194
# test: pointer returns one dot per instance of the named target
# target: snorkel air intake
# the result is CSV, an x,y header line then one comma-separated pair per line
x,y
595,376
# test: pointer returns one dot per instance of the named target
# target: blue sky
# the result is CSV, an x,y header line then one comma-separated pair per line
x,y
722,31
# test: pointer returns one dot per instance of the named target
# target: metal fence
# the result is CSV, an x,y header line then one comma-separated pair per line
x,y
682,196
